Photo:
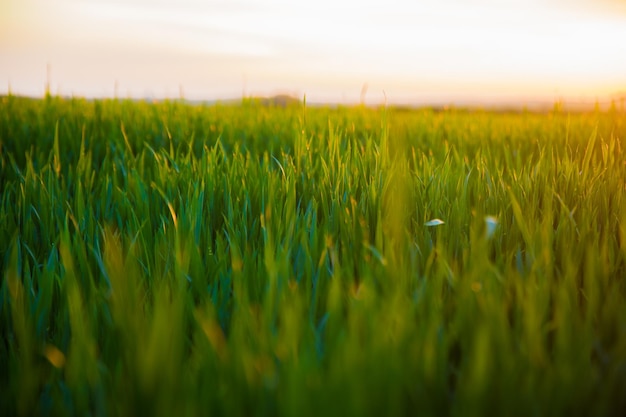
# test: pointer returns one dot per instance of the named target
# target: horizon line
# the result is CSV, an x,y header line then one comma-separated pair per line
x,y
616,100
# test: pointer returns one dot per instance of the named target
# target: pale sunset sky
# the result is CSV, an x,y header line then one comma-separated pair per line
x,y
451,51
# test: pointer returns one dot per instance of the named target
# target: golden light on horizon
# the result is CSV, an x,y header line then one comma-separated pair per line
x,y
449,50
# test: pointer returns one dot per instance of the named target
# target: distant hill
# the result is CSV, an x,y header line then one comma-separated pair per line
x,y
279,100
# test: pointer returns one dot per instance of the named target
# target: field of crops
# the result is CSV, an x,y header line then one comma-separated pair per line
x,y
250,260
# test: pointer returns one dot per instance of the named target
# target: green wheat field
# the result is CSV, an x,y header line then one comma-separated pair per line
x,y
169,259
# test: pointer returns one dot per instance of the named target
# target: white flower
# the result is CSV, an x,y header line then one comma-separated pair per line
x,y
434,222
492,225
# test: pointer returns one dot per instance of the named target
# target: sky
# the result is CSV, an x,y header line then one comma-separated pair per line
x,y
400,51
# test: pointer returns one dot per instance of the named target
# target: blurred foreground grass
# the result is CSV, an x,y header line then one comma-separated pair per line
x,y
168,259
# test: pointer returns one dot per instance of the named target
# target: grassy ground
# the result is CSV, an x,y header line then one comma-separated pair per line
x,y
166,259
